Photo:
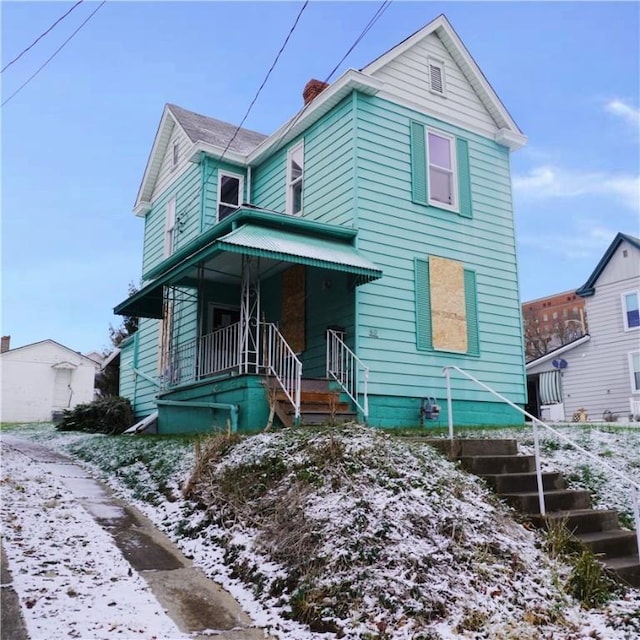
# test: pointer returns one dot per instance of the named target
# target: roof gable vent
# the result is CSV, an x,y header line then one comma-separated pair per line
x,y
436,76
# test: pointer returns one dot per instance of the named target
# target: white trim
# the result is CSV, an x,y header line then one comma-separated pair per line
x,y
170,226
228,174
510,139
625,318
632,379
142,208
556,352
195,151
291,183
455,204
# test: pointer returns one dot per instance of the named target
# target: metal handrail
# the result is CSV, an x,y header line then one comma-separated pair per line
x,y
284,364
220,350
635,486
344,367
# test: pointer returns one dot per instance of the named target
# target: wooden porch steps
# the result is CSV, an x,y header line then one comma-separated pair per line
x,y
512,477
319,404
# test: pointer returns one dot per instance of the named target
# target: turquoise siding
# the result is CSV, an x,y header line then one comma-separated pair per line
x,y
393,231
127,384
391,412
330,302
186,190
145,361
328,171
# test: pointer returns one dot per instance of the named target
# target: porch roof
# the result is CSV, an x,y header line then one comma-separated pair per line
x,y
222,257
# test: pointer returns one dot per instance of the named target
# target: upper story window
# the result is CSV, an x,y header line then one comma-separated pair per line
x,y
436,76
175,155
295,179
441,155
631,310
170,227
230,188
634,371
440,170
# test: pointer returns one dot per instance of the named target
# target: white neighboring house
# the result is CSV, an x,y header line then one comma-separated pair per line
x,y
600,372
43,378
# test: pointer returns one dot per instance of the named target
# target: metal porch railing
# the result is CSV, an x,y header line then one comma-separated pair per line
x,y
220,350
347,369
635,487
280,360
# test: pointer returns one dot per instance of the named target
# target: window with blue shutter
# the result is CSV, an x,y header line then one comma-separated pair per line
x,y
424,339
440,172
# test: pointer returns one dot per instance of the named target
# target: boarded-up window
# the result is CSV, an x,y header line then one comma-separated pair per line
x,y
446,306
293,307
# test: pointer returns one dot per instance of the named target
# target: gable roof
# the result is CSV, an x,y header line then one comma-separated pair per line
x,y
558,350
57,344
201,128
511,136
209,135
216,134
588,288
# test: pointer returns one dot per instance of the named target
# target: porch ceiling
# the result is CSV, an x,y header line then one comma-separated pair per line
x,y
221,261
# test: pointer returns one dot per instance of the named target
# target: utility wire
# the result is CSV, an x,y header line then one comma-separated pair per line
x,y
53,55
42,35
235,133
376,16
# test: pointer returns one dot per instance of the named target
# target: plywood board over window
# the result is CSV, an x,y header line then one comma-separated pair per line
x,y
448,315
293,307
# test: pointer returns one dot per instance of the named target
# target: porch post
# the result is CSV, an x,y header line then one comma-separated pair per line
x,y
250,315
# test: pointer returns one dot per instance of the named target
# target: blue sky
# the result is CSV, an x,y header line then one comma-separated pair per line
x,y
75,140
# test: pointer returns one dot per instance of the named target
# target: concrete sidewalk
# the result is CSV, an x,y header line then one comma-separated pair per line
x,y
195,603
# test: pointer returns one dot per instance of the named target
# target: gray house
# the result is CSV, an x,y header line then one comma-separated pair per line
x,y
597,375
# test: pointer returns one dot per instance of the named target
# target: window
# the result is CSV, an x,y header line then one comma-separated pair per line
x,y
295,177
440,170
441,175
175,155
436,76
170,226
230,188
630,310
434,309
634,371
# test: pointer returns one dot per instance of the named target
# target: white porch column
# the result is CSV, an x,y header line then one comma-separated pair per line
x,y
250,316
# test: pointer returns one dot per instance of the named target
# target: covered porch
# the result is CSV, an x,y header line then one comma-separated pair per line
x,y
260,296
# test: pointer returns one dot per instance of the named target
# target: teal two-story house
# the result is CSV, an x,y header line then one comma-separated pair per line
x,y
333,268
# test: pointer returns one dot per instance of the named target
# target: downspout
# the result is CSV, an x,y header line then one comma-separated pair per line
x,y
231,408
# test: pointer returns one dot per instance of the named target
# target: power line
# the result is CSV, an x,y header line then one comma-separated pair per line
x,y
53,55
42,35
376,16
235,133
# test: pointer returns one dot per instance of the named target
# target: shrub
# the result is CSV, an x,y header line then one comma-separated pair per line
x,y
106,415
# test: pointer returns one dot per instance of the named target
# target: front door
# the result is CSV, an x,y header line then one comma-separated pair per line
x,y
220,317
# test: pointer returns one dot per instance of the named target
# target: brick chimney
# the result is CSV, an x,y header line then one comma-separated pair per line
x,y
312,89
4,343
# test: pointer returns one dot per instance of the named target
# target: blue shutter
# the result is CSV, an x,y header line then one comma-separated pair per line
x,y
464,177
423,305
418,164
471,309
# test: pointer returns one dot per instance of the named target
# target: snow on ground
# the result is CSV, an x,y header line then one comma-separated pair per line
x,y
71,579
495,584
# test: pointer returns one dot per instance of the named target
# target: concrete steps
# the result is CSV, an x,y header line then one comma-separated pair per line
x,y
513,478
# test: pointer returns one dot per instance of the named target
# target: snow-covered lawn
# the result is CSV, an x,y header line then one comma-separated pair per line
x,y
353,530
